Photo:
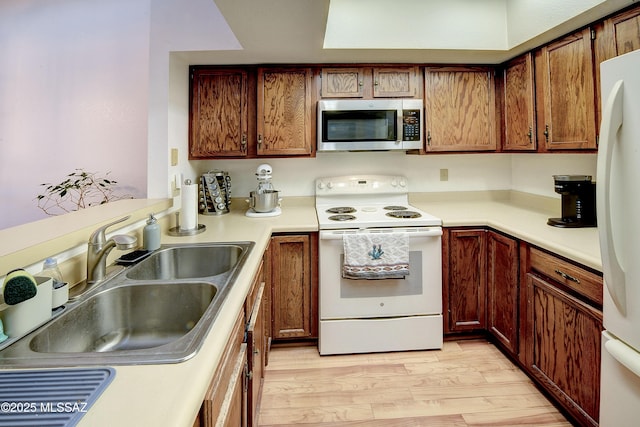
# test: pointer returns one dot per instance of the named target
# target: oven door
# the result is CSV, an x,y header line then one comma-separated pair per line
x,y
419,293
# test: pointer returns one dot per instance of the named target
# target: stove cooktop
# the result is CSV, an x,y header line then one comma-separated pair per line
x,y
374,215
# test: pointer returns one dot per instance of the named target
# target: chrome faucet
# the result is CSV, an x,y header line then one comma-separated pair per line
x,y
99,248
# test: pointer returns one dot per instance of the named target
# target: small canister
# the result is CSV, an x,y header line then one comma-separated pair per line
x,y
151,234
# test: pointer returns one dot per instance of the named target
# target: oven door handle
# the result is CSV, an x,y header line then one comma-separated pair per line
x,y
417,232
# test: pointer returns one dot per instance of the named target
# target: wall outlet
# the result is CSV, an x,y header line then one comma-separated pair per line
x,y
444,174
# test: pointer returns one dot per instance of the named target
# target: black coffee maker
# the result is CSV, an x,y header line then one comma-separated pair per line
x,y
578,201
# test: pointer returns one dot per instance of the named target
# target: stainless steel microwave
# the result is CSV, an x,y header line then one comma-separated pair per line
x,y
369,125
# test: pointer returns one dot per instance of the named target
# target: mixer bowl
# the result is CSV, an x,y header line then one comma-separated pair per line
x,y
265,201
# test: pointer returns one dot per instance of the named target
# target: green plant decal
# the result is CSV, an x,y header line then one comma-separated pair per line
x,y
80,190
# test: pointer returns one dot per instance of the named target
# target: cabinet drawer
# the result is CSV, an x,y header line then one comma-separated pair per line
x,y
580,280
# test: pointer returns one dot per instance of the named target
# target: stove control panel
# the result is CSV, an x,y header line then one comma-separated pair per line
x,y
362,184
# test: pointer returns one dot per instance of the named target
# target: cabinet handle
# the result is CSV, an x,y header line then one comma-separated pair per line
x,y
375,83
360,83
259,139
530,134
243,142
429,137
567,276
546,132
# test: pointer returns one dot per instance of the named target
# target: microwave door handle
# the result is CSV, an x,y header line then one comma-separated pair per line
x,y
400,133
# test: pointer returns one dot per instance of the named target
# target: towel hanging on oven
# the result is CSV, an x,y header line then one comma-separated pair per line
x,y
375,255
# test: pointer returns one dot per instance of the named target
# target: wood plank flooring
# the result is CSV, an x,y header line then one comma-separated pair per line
x,y
467,383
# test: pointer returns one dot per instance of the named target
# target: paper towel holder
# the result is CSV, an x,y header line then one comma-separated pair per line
x,y
177,231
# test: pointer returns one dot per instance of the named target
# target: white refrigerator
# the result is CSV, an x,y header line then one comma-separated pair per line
x,y
618,207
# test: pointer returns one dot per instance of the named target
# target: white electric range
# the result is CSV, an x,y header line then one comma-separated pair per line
x,y
364,315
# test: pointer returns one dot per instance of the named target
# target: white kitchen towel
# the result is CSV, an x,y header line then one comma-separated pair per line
x,y
375,255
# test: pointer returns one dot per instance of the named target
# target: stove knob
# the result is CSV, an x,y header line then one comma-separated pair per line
x,y
321,185
394,183
330,185
403,182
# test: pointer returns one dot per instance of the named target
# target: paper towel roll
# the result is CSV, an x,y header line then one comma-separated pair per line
x,y
189,208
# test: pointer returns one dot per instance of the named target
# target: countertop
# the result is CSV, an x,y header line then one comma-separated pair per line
x,y
170,395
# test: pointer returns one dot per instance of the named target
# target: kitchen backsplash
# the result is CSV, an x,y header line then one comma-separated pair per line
x,y
531,173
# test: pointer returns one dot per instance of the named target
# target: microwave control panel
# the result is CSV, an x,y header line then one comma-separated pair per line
x,y
411,125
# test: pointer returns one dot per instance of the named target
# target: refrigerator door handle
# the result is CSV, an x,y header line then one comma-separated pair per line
x,y
614,276
624,354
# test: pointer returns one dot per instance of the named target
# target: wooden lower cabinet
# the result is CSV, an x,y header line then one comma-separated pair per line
x,y
255,356
503,290
294,287
225,401
562,333
464,279
563,348
543,310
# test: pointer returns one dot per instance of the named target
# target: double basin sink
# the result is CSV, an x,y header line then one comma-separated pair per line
x,y
157,311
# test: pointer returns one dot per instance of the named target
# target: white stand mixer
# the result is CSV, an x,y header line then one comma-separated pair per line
x,y
264,201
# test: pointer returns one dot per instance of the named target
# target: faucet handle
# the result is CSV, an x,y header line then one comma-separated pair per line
x,y
98,237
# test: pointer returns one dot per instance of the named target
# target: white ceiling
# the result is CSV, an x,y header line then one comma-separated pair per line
x,y
415,31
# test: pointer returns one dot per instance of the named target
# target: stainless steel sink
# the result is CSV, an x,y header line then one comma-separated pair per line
x,y
128,317
186,262
158,311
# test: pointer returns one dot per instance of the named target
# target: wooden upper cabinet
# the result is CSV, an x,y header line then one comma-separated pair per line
x,y
460,110
395,82
623,32
519,105
566,108
219,113
285,119
370,82
342,82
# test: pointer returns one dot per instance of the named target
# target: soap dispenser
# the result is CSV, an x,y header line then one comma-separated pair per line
x,y
151,234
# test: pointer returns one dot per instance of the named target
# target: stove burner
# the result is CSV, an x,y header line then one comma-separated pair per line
x,y
404,214
342,217
395,208
341,210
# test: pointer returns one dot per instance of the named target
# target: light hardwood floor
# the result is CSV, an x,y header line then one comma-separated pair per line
x,y
467,383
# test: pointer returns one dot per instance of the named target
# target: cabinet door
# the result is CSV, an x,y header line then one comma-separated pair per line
x,y
224,404
234,412
342,82
503,290
219,113
567,79
519,105
255,356
465,279
395,82
294,286
285,112
623,32
563,348
460,109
